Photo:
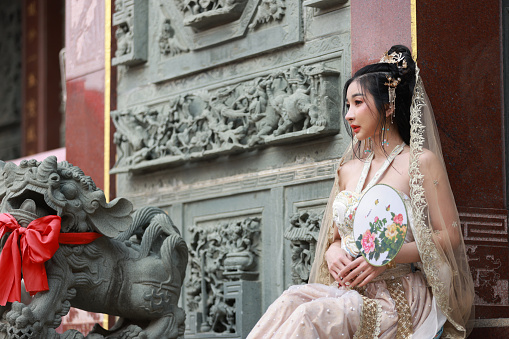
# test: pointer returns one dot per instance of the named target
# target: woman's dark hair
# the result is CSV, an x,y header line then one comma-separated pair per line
x,y
372,78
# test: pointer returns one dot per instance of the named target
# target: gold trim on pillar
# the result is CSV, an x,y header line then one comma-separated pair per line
x,y
107,95
413,23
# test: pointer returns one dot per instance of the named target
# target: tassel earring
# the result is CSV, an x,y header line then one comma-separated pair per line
x,y
385,134
368,148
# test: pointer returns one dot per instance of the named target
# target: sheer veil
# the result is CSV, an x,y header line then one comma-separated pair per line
x,y
437,230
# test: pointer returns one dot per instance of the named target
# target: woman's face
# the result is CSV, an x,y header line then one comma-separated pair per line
x,y
362,115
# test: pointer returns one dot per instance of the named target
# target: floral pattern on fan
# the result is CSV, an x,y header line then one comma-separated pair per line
x,y
380,239
380,229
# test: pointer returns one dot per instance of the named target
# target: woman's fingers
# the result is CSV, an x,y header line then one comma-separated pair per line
x,y
361,276
375,272
371,276
359,273
337,260
351,275
351,270
334,270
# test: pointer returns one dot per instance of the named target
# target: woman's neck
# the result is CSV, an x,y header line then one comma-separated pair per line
x,y
390,141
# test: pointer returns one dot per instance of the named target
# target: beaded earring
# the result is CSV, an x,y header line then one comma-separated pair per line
x,y
385,133
368,147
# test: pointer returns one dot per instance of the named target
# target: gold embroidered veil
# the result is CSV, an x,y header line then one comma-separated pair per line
x,y
436,230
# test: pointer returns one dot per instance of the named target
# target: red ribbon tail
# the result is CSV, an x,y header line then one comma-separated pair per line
x,y
78,238
10,262
35,277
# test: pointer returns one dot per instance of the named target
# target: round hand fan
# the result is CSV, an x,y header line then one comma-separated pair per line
x,y
380,224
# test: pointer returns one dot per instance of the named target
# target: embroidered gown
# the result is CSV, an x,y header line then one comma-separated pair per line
x,y
393,305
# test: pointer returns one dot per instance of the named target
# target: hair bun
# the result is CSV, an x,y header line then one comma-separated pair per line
x,y
402,57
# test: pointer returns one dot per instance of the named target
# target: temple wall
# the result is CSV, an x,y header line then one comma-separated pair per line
x,y
229,117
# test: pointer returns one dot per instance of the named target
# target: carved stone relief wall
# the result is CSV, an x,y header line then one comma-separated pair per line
x,y
202,31
245,249
287,105
130,19
222,251
233,126
210,13
303,234
10,87
485,234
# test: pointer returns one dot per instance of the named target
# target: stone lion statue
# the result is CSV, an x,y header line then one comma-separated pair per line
x,y
134,269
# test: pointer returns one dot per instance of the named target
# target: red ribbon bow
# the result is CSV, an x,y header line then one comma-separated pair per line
x,y
38,242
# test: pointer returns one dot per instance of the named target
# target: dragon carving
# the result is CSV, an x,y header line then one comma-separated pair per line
x,y
134,270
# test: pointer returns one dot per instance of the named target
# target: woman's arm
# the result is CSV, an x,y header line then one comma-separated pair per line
x,y
336,257
443,215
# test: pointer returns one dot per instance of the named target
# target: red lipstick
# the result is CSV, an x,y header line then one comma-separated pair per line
x,y
355,128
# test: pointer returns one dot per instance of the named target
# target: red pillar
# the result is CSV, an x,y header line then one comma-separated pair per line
x,y
85,79
376,26
459,50
87,96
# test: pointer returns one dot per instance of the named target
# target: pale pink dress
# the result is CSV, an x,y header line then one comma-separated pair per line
x,y
320,311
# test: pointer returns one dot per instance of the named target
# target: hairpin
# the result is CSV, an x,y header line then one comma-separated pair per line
x,y
394,58
392,83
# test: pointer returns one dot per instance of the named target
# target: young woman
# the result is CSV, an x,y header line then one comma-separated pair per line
x,y
427,290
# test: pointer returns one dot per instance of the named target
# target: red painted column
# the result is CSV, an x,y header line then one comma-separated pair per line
x,y
85,112
85,79
460,53
376,26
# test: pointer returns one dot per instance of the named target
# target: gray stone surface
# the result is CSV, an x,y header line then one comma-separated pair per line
x,y
261,27
221,79
303,235
131,21
10,87
282,107
135,270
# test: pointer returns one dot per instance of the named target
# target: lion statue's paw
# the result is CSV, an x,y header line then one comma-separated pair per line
x,y
131,332
22,322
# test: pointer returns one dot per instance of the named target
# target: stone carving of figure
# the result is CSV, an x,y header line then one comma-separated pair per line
x,y
275,89
123,146
231,125
170,43
124,40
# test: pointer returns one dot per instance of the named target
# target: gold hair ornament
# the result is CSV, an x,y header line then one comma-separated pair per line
x,y
392,83
394,58
399,60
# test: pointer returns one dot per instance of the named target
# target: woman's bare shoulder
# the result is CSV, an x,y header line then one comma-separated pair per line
x,y
429,158
350,166
347,170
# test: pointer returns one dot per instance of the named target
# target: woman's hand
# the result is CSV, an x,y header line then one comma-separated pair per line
x,y
337,259
359,273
